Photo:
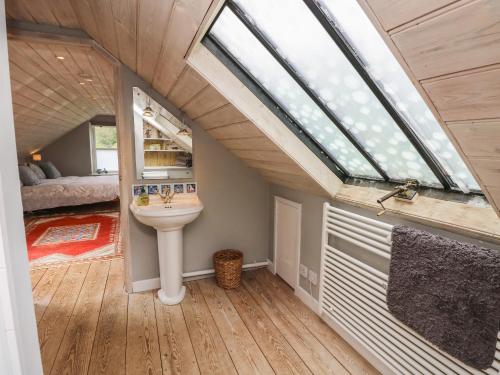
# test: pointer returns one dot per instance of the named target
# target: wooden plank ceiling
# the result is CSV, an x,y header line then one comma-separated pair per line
x,y
451,51
53,95
152,37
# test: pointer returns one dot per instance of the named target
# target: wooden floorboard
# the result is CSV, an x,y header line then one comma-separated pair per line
x,y
244,351
76,347
210,350
88,324
143,349
176,349
313,353
110,344
349,358
46,288
277,350
35,276
52,326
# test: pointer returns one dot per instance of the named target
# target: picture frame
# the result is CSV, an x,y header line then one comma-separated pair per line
x,y
191,188
136,190
179,188
153,189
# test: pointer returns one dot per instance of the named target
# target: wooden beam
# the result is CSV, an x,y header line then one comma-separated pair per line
x,y
103,120
49,34
37,33
210,15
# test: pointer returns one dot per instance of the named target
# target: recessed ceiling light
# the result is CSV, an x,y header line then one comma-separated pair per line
x,y
82,83
60,57
88,79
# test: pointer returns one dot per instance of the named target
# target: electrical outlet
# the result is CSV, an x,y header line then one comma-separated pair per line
x,y
303,270
313,277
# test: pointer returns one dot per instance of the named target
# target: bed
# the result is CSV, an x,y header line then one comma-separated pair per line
x,y
70,191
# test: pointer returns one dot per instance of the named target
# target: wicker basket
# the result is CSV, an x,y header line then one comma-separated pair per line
x,y
227,264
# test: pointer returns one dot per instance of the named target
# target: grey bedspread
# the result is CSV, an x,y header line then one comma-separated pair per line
x,y
70,191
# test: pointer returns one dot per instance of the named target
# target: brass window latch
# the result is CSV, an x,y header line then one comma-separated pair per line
x,y
406,192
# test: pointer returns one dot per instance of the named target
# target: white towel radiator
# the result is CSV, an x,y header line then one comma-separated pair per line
x,y
353,302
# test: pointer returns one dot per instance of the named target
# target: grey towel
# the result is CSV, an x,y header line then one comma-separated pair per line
x,y
448,292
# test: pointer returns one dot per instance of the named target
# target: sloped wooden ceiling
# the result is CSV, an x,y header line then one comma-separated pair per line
x,y
226,124
451,51
152,38
52,96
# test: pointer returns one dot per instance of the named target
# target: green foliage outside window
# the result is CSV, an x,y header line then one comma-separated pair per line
x,y
105,137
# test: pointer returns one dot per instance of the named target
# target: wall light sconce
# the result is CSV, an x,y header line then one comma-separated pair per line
x,y
37,157
148,112
183,130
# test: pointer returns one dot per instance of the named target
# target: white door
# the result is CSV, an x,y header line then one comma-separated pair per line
x,y
287,216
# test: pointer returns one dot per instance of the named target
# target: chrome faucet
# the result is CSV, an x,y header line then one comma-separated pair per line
x,y
167,198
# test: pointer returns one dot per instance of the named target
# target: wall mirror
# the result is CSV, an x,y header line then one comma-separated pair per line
x,y
163,143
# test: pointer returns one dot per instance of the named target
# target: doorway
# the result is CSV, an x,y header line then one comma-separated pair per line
x,y
287,229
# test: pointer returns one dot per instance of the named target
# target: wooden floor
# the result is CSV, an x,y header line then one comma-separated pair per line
x,y
87,324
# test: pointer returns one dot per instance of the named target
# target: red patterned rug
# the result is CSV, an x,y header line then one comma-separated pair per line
x,y
72,237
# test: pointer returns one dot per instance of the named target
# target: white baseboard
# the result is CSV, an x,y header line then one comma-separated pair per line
x,y
309,300
143,285
151,284
270,266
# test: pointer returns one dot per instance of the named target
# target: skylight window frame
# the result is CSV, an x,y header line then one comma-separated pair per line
x,y
214,46
349,52
300,81
342,42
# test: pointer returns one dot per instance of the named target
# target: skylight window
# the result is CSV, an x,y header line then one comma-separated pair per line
x,y
365,114
383,67
301,40
245,48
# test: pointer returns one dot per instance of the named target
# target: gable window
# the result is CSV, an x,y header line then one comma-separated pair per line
x,y
104,149
318,62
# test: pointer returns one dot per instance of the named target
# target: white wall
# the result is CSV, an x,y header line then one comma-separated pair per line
x,y
312,210
71,153
310,238
19,348
235,197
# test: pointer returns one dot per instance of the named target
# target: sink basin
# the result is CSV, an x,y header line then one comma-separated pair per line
x,y
183,210
168,220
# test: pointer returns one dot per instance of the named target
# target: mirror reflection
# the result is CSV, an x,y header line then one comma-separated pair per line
x,y
163,143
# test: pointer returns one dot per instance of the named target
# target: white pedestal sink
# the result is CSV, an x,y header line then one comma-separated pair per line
x,y
168,220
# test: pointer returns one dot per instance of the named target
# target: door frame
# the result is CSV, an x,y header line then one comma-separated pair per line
x,y
20,349
298,207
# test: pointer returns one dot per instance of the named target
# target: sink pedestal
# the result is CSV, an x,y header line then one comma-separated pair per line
x,y
170,256
169,220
